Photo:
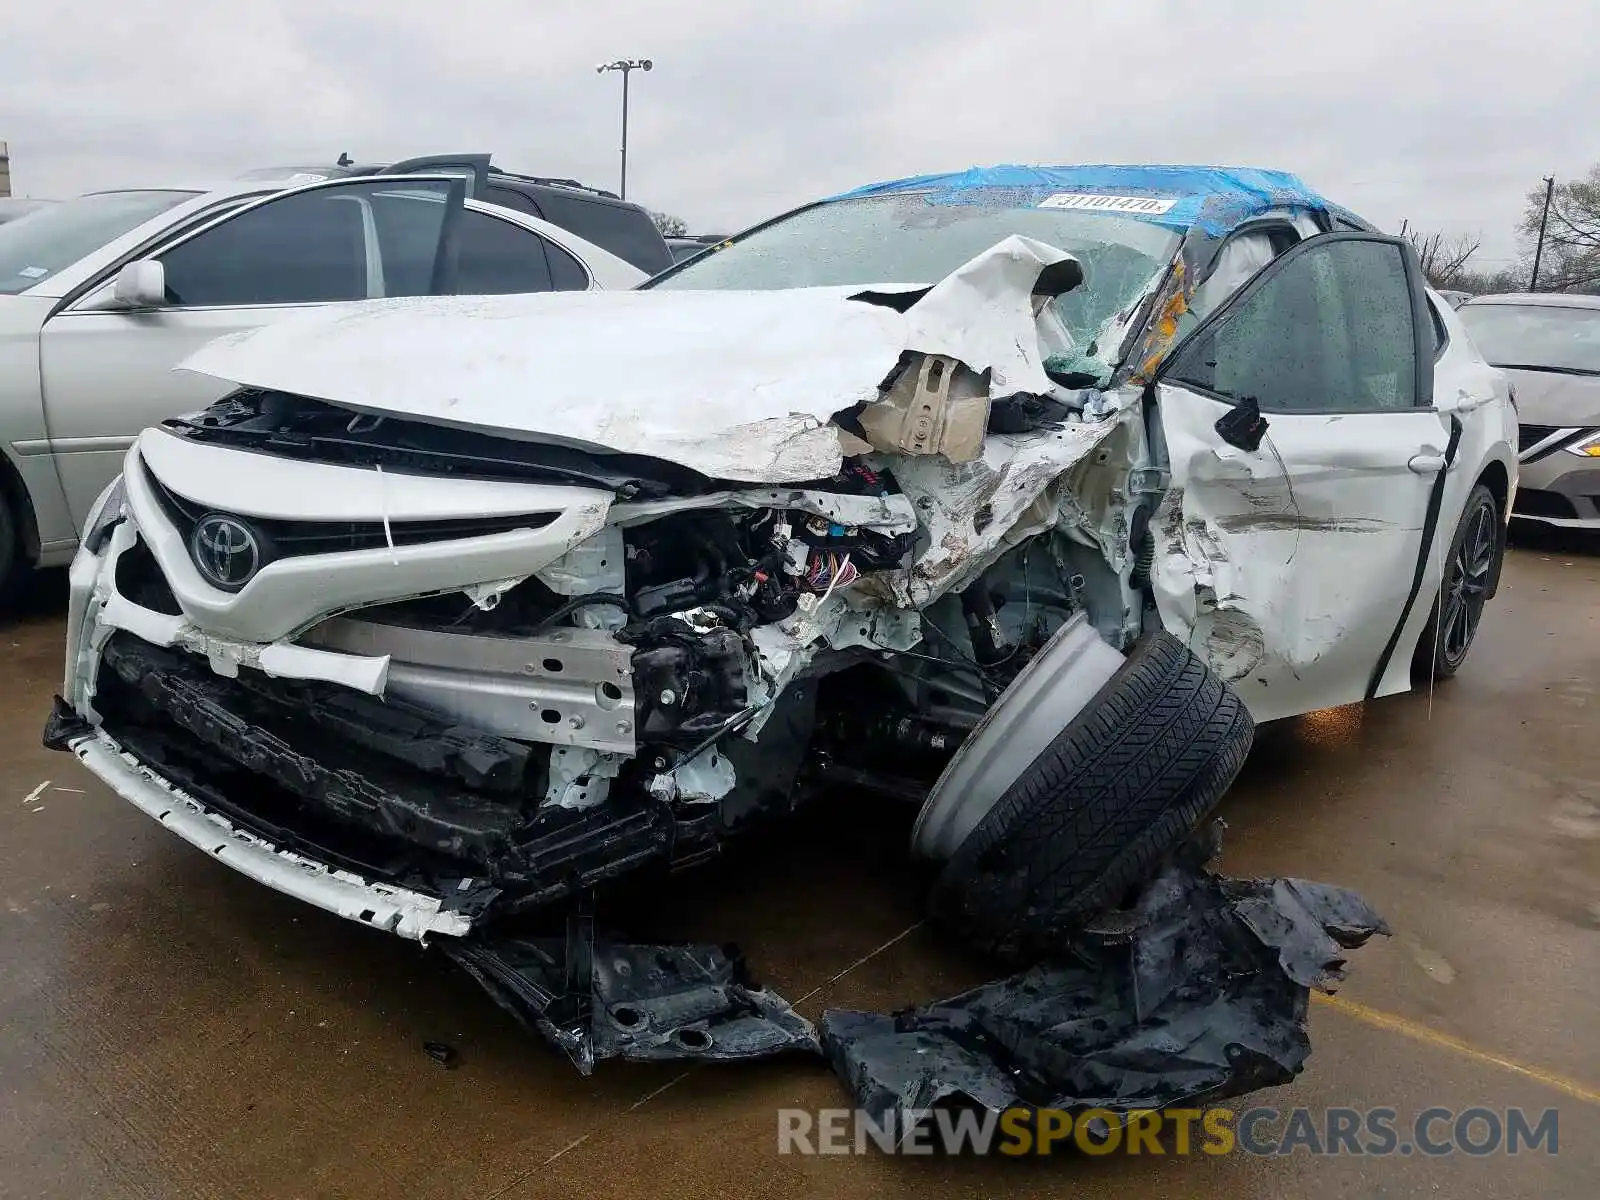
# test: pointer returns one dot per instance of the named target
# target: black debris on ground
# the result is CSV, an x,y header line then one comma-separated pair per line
x,y
1196,992
594,999
443,1053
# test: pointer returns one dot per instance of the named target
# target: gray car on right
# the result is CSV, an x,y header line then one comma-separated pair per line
x,y
1549,344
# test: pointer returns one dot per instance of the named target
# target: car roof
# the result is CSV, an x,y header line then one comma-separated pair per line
x,y
261,183
266,179
496,173
1541,299
1211,198
218,188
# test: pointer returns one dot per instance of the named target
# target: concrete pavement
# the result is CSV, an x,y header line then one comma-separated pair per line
x,y
170,1029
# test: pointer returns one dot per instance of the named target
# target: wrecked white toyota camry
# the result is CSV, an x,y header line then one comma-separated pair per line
x,y
1016,493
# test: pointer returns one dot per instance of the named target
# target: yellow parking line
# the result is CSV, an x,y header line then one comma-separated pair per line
x,y
1422,1033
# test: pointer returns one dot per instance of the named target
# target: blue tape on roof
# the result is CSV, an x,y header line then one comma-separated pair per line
x,y
1213,198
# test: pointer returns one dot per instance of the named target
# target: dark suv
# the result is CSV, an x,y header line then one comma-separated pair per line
x,y
690,244
597,216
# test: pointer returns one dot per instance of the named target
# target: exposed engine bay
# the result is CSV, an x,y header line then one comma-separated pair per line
x,y
697,662
649,692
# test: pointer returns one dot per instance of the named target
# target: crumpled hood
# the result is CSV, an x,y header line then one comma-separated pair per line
x,y
1548,398
736,385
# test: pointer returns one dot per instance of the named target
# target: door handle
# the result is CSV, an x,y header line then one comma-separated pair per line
x,y
1426,464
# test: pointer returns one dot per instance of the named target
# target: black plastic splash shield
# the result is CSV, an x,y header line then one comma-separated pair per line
x,y
1203,996
595,999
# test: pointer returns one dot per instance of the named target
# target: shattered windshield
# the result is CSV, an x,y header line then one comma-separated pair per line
x,y
920,237
1535,335
50,239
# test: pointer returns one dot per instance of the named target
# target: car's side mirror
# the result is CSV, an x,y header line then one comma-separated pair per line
x,y
1243,426
141,284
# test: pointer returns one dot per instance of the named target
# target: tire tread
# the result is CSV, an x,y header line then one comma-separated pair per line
x,y
1114,793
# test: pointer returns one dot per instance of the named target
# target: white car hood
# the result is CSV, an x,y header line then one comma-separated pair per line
x,y
736,385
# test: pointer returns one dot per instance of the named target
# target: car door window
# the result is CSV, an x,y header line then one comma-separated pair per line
x,y
497,257
407,224
567,274
1330,330
319,245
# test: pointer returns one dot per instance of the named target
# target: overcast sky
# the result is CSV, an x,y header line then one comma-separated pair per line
x,y
1441,111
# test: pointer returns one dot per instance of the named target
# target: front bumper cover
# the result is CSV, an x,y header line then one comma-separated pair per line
x,y
1559,489
397,910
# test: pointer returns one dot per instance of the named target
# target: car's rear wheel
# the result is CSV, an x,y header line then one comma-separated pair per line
x,y
11,561
1118,789
1470,569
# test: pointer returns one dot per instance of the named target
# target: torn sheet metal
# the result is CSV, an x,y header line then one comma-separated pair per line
x,y
891,513
579,777
982,314
736,385
595,1000
706,777
974,512
1205,998
1289,587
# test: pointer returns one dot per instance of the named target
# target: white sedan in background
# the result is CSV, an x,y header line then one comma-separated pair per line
x,y
101,296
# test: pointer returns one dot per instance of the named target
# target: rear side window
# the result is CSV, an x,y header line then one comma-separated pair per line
x,y
496,258
566,273
624,230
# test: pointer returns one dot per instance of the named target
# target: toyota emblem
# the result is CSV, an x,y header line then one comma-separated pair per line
x,y
226,551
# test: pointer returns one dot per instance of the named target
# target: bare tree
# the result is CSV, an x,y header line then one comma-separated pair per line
x,y
1571,260
1483,283
669,225
1444,262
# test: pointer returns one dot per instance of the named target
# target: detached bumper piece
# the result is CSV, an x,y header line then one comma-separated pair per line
x,y
596,1000
1200,992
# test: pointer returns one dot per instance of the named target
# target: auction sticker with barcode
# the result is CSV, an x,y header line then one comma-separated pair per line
x,y
1131,204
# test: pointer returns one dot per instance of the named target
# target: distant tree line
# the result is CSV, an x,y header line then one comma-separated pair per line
x,y
669,225
1570,261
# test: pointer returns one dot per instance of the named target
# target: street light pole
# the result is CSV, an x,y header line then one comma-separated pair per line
x,y
626,66
1544,218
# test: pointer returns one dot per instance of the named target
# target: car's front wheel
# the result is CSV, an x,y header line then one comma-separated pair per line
x,y
1470,569
1032,842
